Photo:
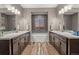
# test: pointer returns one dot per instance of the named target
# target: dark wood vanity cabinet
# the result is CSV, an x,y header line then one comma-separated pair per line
x,y
22,43
51,39
27,38
73,46
5,47
14,46
59,43
64,45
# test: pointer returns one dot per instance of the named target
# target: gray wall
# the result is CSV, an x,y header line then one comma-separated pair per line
x,y
26,19
54,19
60,17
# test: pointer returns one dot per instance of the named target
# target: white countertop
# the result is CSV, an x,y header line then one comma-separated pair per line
x,y
12,35
66,34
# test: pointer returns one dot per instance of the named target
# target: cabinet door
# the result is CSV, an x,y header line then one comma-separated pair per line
x,y
22,43
26,39
4,47
57,42
63,48
15,47
50,37
53,39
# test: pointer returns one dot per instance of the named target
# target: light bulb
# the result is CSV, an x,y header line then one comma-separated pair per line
x,y
65,8
69,7
62,11
13,8
9,8
18,12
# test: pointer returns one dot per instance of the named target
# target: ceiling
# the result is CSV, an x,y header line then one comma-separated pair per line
x,y
75,8
38,5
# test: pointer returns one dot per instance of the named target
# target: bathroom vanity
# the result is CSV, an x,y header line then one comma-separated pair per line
x,y
64,42
14,43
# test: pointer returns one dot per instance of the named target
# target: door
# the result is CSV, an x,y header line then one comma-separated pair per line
x,y
39,23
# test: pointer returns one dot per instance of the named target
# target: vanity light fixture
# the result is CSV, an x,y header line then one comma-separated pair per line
x,y
65,9
13,9
8,7
17,12
61,11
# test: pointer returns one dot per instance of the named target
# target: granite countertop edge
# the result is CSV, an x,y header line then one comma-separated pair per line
x,y
13,35
66,34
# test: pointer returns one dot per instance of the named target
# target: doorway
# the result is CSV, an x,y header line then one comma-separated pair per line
x,y
39,23
39,28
